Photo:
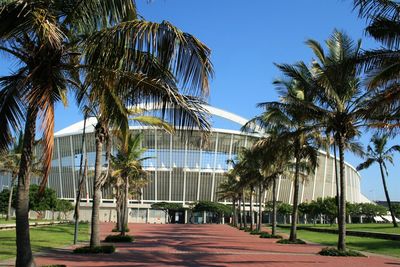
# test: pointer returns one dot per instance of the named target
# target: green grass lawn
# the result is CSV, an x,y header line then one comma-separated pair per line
x,y
12,221
374,245
42,238
365,227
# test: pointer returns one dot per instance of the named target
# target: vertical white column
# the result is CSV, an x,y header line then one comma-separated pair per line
x,y
198,181
302,191
155,165
279,187
214,167
170,167
333,178
324,184
290,192
148,216
230,153
73,167
351,177
315,179
59,167
184,171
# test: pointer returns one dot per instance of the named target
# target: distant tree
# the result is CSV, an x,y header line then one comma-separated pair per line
x,y
381,154
371,210
167,208
284,209
40,202
4,200
64,206
396,208
217,208
329,208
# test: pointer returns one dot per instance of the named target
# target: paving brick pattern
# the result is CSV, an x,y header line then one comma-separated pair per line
x,y
205,245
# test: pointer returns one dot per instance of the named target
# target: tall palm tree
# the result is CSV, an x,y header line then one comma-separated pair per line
x,y
293,127
379,153
229,189
9,164
53,41
127,170
341,105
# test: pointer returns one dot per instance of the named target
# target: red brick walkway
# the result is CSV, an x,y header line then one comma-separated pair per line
x,y
205,245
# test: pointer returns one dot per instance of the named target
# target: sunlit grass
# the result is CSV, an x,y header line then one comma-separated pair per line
x,y
42,238
374,245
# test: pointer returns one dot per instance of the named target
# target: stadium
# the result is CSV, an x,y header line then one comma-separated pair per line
x,y
180,170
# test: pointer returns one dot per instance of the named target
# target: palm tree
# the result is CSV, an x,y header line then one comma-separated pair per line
x,y
293,127
379,153
228,189
341,106
9,164
54,41
127,170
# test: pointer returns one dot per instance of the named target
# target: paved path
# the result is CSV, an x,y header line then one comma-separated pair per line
x,y
205,245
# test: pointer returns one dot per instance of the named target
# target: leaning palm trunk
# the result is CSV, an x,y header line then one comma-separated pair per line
x,y
274,206
387,196
95,233
244,210
251,208
260,191
293,227
10,198
337,180
24,251
126,207
235,217
342,209
240,211
82,177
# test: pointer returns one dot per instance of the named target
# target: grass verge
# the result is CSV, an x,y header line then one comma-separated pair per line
x,y
43,238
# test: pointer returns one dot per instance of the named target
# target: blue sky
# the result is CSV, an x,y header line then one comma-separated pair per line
x,y
246,37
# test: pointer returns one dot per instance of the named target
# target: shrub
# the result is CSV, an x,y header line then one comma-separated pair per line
x,y
55,265
95,250
255,232
247,229
119,238
339,253
268,235
115,230
287,241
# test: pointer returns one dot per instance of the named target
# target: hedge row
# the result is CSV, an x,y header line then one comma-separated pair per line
x,y
349,232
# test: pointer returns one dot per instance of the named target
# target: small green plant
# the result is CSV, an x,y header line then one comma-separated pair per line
x,y
338,253
287,241
119,238
247,229
241,228
115,230
268,235
100,249
255,232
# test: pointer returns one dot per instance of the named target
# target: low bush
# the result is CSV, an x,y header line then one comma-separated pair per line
x,y
255,232
119,238
339,253
268,235
115,230
95,250
55,265
287,241
247,229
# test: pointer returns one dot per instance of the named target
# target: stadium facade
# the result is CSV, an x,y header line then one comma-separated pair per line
x,y
181,170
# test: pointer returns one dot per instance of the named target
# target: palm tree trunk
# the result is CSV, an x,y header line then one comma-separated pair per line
x,y
24,251
342,215
274,207
387,196
244,210
125,218
295,211
234,213
251,208
260,191
82,176
10,197
95,231
337,180
240,211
